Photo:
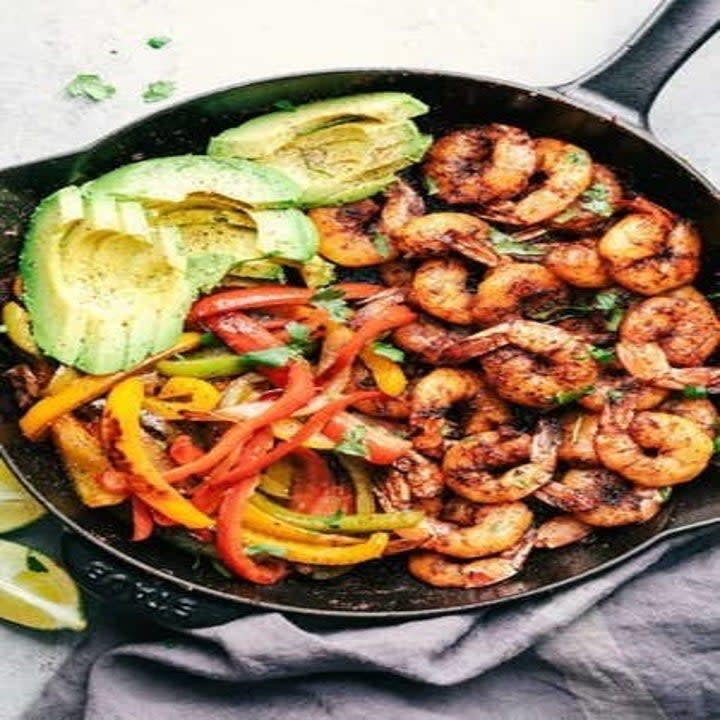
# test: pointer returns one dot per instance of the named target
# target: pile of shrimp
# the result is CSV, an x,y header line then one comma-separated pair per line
x,y
560,358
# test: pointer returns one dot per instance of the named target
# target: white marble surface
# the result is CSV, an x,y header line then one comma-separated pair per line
x,y
216,44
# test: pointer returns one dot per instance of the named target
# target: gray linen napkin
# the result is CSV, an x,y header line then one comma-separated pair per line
x,y
639,642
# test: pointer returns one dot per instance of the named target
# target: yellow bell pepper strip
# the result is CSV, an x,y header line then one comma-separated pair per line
x,y
260,544
357,470
17,325
121,423
276,479
84,461
89,387
256,519
357,523
63,377
179,394
388,375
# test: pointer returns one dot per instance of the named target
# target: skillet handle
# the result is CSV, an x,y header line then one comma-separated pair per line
x,y
626,83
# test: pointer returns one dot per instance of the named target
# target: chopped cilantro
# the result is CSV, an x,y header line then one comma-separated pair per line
x,y
91,87
716,445
607,300
596,199
158,41
665,493
694,391
567,396
286,105
333,521
35,565
613,322
389,351
614,396
602,355
353,442
299,336
332,300
265,549
270,357
431,186
576,158
507,245
158,90
381,244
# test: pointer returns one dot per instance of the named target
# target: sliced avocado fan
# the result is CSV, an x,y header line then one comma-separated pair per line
x,y
337,150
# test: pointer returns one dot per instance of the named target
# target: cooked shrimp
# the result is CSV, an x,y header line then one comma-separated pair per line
x,y
700,410
560,531
431,399
426,338
468,467
495,529
530,363
567,171
440,571
436,234
617,502
687,330
594,206
577,444
360,234
578,263
440,289
476,165
591,329
649,364
410,478
650,251
652,449
632,392
397,273
513,288
488,411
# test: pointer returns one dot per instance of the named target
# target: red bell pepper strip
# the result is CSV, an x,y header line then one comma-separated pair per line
x,y
244,334
383,447
392,317
299,391
315,423
229,538
267,296
315,490
184,450
142,519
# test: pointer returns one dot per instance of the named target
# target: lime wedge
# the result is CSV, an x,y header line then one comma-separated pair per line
x,y
17,506
36,592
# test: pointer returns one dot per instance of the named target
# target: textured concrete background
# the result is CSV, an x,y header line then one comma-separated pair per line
x,y
216,44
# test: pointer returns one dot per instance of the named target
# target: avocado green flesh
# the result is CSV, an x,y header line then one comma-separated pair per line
x,y
268,133
172,179
336,151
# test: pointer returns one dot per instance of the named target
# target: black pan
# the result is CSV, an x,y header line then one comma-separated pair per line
x,y
156,578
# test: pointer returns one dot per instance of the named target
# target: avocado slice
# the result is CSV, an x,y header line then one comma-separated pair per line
x,y
83,263
173,179
336,150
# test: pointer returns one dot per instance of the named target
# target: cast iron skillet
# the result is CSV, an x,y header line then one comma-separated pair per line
x,y
157,579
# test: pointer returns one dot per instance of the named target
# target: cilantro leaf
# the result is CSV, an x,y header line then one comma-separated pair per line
x,y
333,521
606,300
381,244
507,245
353,442
596,199
431,186
270,357
265,549
332,300
576,158
91,87
158,41
694,391
286,105
389,351
665,493
716,445
158,90
34,565
602,355
567,396
299,336
614,396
